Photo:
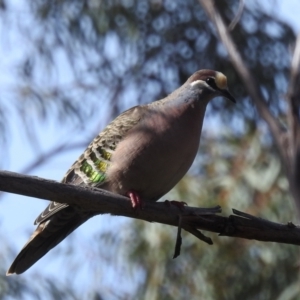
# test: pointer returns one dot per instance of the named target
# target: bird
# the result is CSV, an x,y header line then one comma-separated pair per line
x,y
141,154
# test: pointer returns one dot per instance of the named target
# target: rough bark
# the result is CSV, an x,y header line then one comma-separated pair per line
x,y
192,219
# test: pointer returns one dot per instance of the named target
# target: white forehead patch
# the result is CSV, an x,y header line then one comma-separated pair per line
x,y
197,82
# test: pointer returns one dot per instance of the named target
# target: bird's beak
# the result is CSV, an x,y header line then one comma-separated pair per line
x,y
226,94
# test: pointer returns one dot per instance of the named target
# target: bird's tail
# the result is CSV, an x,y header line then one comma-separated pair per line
x,y
47,235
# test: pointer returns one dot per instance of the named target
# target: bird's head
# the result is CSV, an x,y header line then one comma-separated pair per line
x,y
210,84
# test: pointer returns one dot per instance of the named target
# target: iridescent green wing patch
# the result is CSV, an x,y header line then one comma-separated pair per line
x,y
95,166
93,175
91,167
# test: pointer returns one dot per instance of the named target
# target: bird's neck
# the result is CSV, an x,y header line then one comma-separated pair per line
x,y
179,104
177,114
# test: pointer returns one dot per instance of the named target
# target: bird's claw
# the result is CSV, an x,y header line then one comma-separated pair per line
x,y
178,204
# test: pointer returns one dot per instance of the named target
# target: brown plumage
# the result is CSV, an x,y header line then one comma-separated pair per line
x,y
143,153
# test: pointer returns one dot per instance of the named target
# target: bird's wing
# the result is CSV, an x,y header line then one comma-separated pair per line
x,y
58,220
90,168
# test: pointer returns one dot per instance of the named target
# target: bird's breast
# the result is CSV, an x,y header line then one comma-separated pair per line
x,y
155,155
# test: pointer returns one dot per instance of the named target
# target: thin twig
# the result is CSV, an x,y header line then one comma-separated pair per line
x,y
38,161
280,134
178,239
293,100
245,75
197,233
293,96
238,15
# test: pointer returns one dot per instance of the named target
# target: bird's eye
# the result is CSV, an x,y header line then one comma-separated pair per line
x,y
210,81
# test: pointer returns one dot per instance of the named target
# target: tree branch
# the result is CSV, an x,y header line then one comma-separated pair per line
x,y
238,15
45,156
285,140
190,218
249,81
293,99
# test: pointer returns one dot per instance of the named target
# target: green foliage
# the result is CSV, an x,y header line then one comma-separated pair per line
x,y
117,54
151,47
231,268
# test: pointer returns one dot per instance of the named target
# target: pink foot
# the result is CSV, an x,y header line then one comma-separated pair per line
x,y
135,199
179,204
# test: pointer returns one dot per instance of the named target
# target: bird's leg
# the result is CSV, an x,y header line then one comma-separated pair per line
x,y
179,204
135,199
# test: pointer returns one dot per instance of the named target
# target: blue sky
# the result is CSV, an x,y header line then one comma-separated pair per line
x,y
18,213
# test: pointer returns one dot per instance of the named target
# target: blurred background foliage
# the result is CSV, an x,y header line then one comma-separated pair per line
x,y
77,65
